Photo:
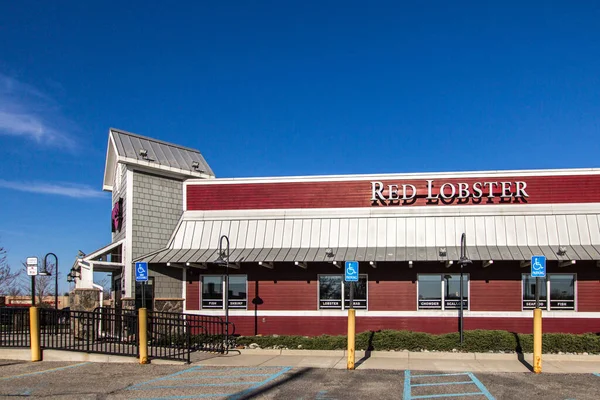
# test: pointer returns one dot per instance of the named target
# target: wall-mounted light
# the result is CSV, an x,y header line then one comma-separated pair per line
x,y
566,263
266,264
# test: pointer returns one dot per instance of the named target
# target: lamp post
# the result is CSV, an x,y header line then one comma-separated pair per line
x,y
223,260
55,276
464,260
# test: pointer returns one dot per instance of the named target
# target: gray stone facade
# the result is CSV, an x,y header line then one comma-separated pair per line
x,y
167,281
173,306
157,207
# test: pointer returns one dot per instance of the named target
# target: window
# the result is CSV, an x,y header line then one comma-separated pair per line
x,y
442,291
560,286
212,292
529,292
333,292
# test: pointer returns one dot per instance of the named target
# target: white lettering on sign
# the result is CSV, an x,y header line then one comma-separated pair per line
x,y
448,191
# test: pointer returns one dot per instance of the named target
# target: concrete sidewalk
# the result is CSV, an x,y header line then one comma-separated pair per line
x,y
403,360
337,359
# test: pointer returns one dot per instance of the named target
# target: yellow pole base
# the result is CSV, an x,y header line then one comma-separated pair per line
x,y
34,332
351,337
143,335
537,340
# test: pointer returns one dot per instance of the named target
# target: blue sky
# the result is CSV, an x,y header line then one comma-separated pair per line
x,y
282,88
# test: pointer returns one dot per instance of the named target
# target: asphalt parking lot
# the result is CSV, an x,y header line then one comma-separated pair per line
x,y
67,380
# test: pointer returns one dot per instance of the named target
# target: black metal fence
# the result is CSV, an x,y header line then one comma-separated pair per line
x,y
14,327
104,330
175,336
172,336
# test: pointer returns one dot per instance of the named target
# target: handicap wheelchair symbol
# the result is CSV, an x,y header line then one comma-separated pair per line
x,y
351,271
537,265
141,269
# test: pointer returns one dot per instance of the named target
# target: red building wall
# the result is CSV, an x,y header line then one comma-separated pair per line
x,y
393,287
314,326
285,195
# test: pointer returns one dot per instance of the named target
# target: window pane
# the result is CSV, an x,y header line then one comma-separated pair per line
x,y
430,292
529,292
360,293
212,292
330,291
237,291
452,291
562,292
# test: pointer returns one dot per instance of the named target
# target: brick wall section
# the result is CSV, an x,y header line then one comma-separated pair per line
x,y
588,287
496,288
192,289
167,281
393,287
314,326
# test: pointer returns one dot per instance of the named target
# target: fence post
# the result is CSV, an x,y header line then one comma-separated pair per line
x,y
143,334
34,332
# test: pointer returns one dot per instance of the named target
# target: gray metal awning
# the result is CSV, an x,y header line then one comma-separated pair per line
x,y
381,254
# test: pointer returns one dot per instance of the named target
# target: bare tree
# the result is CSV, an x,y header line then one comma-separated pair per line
x,y
9,280
106,285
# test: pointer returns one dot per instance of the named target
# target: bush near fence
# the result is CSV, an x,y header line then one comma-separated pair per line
x,y
474,341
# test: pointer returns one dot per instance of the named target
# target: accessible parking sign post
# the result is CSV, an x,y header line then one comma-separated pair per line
x,y
351,275
538,270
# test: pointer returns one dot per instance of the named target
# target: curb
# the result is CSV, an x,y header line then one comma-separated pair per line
x,y
419,355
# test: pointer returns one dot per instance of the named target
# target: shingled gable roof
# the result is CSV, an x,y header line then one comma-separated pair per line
x,y
170,159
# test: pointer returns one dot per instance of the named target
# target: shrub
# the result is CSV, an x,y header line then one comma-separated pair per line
x,y
480,341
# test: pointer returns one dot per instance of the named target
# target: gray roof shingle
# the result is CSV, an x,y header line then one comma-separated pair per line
x,y
162,153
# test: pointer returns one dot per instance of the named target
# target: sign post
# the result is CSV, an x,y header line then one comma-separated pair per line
x,y
351,275
32,270
141,275
538,270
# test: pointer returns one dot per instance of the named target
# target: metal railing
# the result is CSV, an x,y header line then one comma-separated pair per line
x,y
175,336
104,330
172,336
14,327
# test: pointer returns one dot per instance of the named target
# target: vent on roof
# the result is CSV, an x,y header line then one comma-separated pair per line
x,y
144,155
196,166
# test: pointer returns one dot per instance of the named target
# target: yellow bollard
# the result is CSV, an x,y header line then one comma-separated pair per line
x,y
351,337
537,340
143,335
34,334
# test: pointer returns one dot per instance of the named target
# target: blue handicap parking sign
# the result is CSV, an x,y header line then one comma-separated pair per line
x,y
351,271
141,271
538,266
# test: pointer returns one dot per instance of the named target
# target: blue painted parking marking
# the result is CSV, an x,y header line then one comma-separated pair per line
x,y
597,374
409,385
43,371
227,379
